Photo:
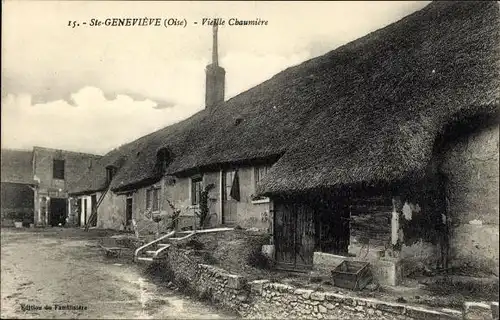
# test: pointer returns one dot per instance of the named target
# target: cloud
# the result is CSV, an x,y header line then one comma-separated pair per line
x,y
91,89
92,123
91,119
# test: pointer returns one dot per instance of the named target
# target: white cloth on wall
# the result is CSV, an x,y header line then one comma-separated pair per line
x,y
394,228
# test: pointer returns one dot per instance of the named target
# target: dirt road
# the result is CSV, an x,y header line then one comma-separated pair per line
x,y
60,273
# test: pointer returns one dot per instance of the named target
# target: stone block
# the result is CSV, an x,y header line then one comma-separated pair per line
x,y
330,296
477,310
235,282
305,293
282,287
386,271
257,286
423,313
322,308
494,310
391,307
318,296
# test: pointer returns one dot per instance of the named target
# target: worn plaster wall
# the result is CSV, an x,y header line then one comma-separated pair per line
x,y
471,166
111,212
419,234
43,162
143,217
177,190
372,233
76,164
251,214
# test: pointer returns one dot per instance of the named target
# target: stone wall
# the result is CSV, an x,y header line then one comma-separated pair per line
x,y
263,299
275,300
206,281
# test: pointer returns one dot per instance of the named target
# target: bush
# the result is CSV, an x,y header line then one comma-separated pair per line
x,y
194,244
258,260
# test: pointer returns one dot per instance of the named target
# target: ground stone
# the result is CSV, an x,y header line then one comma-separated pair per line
x,y
319,296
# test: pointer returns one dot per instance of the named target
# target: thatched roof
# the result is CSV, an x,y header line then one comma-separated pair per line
x,y
17,166
383,100
369,110
95,180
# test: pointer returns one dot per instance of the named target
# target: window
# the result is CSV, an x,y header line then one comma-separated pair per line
x,y
110,173
58,169
260,172
228,184
148,199
156,200
196,185
153,199
163,159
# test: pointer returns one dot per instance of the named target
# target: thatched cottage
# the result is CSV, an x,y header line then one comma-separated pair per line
x,y
35,184
385,149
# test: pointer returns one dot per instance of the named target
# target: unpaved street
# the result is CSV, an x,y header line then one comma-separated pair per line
x,y
60,269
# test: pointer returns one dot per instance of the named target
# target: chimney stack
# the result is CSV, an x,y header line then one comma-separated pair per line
x,y
215,77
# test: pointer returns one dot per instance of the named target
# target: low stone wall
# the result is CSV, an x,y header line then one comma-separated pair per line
x,y
264,299
206,281
275,300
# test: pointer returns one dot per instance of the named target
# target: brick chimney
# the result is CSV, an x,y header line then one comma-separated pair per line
x,y
215,77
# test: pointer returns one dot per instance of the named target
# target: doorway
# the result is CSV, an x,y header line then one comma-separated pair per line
x,y
304,225
229,204
294,235
128,212
93,204
58,211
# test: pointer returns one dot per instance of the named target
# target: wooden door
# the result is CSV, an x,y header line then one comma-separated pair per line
x,y
294,235
128,212
229,205
93,205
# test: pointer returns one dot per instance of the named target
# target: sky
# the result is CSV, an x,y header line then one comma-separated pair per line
x,y
93,88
